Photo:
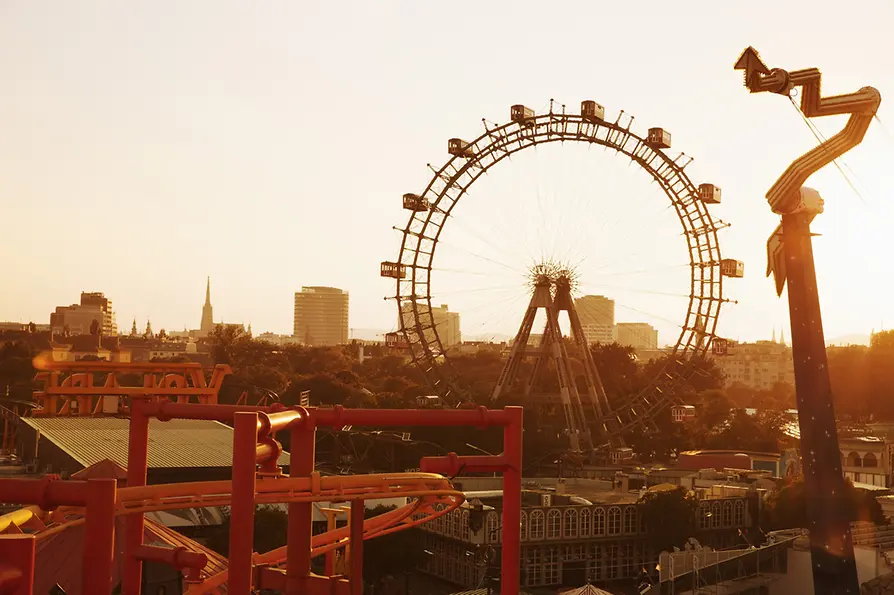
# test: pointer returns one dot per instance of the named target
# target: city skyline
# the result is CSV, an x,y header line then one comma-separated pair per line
x,y
210,158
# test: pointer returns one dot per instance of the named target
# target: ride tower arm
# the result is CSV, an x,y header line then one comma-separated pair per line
x,y
790,260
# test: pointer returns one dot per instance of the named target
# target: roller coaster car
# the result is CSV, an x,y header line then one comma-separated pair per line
x,y
709,194
393,270
592,111
414,202
460,148
521,114
659,138
722,347
395,340
732,268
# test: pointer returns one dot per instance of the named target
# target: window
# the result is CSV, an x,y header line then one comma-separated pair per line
x,y
535,530
532,565
464,527
727,514
569,528
554,524
524,526
614,521
599,522
853,460
585,528
705,514
739,519
870,460
551,566
715,514
493,528
630,519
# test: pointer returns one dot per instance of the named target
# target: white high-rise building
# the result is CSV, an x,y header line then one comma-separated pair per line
x,y
597,317
445,321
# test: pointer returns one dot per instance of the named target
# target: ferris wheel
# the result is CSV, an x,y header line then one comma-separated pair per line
x,y
421,329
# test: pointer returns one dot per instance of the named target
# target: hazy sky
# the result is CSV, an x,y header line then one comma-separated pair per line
x,y
145,145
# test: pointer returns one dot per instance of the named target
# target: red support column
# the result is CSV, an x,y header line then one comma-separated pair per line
x,y
99,535
137,467
17,564
300,530
512,484
356,544
242,503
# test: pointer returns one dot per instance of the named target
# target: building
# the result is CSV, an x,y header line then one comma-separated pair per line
x,y
638,335
76,319
757,365
576,533
866,460
207,324
446,322
96,298
597,317
321,316
180,450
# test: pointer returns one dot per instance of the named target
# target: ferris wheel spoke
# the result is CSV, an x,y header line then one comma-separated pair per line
x,y
601,287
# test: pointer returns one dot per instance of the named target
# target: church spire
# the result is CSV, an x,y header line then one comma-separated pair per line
x,y
207,324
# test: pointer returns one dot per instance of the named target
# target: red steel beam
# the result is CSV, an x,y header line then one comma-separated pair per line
x,y
99,535
510,532
242,503
300,523
137,469
480,417
355,543
177,557
17,567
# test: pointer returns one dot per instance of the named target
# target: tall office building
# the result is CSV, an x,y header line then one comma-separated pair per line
x,y
321,316
97,299
78,319
597,317
445,321
638,335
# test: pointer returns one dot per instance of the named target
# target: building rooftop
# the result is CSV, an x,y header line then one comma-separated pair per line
x,y
179,443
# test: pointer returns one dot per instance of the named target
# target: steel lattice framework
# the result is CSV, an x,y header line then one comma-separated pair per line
x,y
469,160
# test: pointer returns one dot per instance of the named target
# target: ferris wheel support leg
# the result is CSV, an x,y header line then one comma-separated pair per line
x,y
831,545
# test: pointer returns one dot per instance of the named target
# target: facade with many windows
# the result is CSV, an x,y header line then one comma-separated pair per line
x,y
565,543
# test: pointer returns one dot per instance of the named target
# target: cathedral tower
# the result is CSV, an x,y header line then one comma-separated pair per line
x,y
207,319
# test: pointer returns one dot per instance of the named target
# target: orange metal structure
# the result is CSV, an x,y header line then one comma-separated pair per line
x,y
256,479
80,388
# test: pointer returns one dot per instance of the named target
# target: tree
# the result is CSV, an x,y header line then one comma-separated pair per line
x,y
786,507
669,516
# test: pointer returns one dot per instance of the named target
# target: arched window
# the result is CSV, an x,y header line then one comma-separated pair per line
x,y
464,526
554,524
630,519
569,527
853,460
727,513
704,510
492,527
614,520
739,518
585,525
715,514
453,530
535,531
599,522
524,526
870,460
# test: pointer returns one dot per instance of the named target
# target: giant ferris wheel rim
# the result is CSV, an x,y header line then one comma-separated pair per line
x,y
451,182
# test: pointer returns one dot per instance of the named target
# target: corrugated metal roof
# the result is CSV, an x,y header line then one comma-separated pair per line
x,y
179,443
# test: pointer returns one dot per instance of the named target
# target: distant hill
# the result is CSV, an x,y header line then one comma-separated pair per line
x,y
853,339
